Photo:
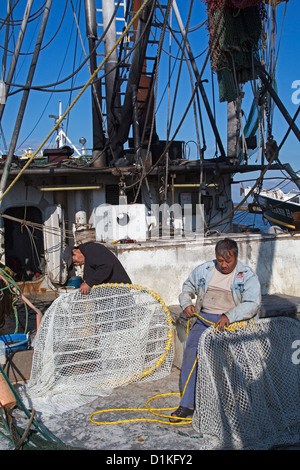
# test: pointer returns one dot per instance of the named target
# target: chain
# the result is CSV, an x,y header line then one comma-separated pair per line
x,y
268,119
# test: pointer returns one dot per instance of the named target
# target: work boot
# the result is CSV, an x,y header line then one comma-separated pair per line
x,y
181,413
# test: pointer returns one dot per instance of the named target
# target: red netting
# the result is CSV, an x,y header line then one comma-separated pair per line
x,y
242,3
214,4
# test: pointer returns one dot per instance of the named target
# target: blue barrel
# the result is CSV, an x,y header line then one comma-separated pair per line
x,y
15,342
74,281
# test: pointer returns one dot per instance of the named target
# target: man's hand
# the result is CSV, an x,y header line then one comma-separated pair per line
x,y
84,288
189,311
222,323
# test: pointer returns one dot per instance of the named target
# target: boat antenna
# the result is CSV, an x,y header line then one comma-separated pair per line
x,y
62,137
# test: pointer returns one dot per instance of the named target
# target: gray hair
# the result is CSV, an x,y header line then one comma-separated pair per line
x,y
223,247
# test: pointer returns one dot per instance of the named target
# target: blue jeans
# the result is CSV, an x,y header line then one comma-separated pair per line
x,y
189,357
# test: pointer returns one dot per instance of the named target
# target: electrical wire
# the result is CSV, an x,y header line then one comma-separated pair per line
x,y
46,45
31,17
88,83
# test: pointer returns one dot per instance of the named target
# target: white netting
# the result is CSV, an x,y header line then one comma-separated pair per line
x,y
88,344
248,387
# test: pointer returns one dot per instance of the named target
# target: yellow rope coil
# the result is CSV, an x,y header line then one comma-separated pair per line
x,y
183,421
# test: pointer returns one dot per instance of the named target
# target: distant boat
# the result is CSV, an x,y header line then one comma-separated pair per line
x,y
279,208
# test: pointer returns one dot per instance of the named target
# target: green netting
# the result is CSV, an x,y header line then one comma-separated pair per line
x,y
234,39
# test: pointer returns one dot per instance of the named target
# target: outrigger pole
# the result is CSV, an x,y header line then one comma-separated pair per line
x,y
19,119
201,87
267,82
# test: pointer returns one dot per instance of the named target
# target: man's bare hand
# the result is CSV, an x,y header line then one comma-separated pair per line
x,y
189,311
84,288
222,323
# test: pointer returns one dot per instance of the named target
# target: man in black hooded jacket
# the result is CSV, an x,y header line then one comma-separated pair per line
x,y
100,265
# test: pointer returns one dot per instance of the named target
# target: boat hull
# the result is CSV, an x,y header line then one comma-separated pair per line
x,y
281,213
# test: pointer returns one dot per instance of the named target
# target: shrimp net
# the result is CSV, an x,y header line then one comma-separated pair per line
x,y
248,385
87,345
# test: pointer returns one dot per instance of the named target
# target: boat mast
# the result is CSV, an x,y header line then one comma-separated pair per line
x,y
15,55
24,100
98,134
109,25
2,80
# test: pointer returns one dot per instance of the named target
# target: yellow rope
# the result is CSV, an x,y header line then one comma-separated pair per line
x,y
88,83
151,410
170,333
182,421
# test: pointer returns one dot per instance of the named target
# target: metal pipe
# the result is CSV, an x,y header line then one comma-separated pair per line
x,y
201,87
69,188
15,56
24,99
108,7
91,31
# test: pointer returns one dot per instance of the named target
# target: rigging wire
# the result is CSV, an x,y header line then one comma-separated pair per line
x,y
100,40
44,87
48,101
49,42
88,83
9,14
75,48
154,86
260,178
31,17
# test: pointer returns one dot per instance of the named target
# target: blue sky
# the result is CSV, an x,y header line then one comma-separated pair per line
x,y
56,62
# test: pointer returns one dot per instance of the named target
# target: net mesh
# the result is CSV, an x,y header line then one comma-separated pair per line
x,y
89,344
234,37
248,387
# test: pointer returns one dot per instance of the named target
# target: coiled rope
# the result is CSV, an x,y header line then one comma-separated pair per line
x,y
155,411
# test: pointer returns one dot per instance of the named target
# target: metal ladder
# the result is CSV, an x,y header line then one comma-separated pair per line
x,y
123,16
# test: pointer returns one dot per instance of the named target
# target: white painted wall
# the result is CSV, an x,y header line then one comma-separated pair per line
x,y
163,266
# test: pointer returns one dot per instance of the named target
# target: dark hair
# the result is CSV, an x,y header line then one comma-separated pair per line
x,y
225,246
68,255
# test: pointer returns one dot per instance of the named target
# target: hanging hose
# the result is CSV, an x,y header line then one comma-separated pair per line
x,y
10,286
16,294
39,438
